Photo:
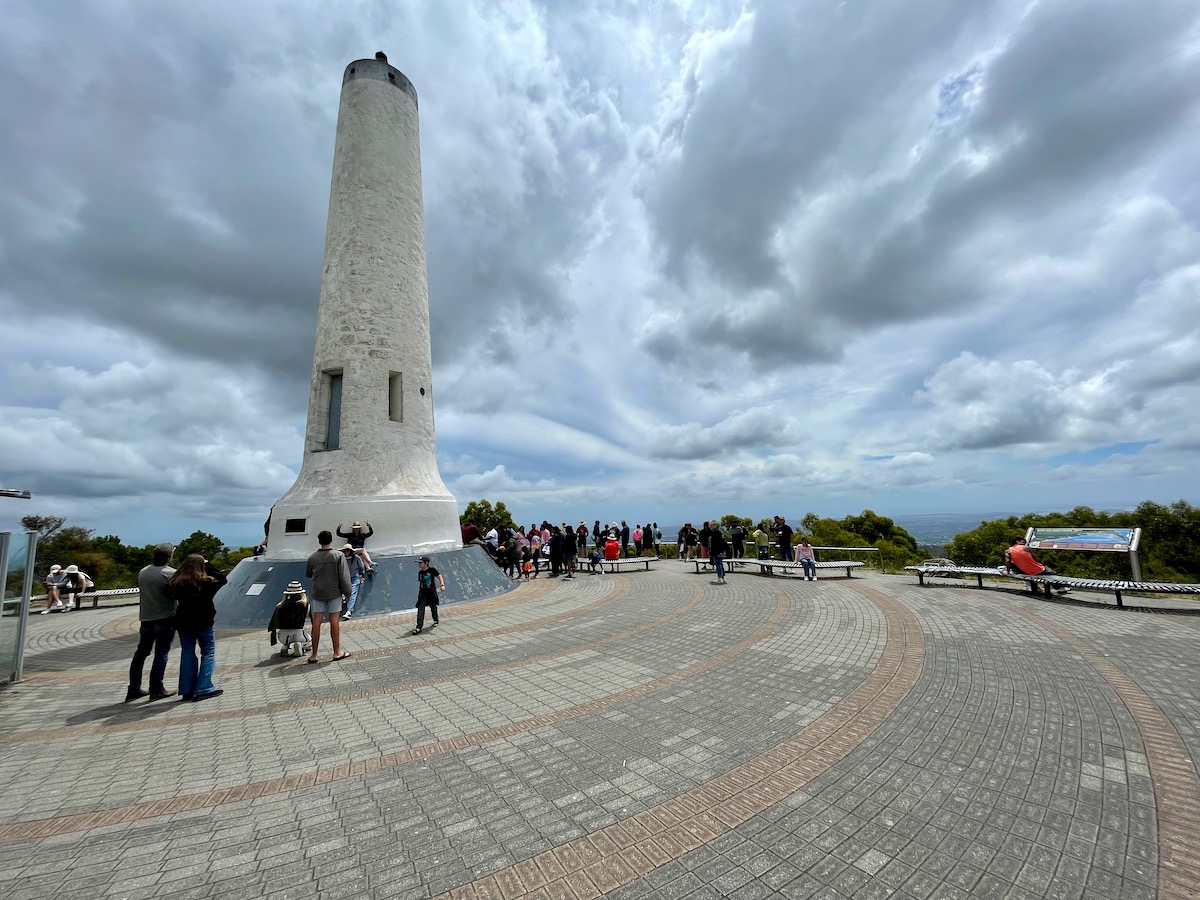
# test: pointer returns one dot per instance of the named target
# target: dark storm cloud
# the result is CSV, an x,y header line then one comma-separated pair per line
x,y
948,166
165,188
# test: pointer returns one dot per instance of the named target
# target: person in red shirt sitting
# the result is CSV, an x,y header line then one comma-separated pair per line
x,y
1018,557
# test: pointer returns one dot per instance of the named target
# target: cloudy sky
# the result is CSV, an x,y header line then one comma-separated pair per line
x,y
685,258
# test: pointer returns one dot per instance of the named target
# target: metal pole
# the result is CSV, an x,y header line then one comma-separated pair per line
x,y
26,597
5,537
1135,565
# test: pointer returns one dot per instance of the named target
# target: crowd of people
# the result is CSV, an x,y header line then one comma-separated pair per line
x,y
562,549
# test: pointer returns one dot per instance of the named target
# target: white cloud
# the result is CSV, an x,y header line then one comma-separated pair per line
x,y
761,255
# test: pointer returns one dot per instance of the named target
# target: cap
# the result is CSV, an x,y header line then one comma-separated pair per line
x,y
423,559
294,587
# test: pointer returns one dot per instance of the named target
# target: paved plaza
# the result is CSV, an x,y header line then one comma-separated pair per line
x,y
641,735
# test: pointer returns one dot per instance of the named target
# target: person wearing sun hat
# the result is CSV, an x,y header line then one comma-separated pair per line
x,y
357,571
288,625
54,580
357,538
73,586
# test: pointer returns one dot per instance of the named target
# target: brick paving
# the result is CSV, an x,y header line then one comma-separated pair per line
x,y
636,735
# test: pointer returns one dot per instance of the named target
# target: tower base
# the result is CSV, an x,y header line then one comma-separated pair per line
x,y
402,526
256,585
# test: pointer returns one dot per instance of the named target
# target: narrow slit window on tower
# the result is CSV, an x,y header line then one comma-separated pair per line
x,y
333,431
396,396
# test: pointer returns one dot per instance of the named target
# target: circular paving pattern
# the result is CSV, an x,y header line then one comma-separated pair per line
x,y
639,735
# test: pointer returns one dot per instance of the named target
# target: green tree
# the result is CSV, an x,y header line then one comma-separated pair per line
x,y
727,523
45,526
207,545
486,517
1170,547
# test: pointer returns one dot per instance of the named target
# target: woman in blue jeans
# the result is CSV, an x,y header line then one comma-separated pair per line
x,y
193,588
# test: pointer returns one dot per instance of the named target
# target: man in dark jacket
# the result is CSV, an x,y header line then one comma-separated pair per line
x,y
624,538
718,549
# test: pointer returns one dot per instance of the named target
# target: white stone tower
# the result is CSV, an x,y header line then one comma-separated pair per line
x,y
369,449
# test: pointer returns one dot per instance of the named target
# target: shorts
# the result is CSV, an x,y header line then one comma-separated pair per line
x,y
325,606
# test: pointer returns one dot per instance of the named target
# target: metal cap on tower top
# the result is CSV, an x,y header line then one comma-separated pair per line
x,y
378,69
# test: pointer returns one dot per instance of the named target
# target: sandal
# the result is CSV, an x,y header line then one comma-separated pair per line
x,y
345,655
311,661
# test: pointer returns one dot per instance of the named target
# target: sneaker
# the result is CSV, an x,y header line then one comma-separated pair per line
x,y
45,612
348,614
1063,590
196,698
416,631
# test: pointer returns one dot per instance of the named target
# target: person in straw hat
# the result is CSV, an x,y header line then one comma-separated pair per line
x,y
289,622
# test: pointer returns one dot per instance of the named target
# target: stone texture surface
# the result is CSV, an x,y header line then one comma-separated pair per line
x,y
639,735
373,332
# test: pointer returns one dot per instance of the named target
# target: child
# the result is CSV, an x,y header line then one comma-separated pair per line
x,y
289,621
594,562
527,562
427,595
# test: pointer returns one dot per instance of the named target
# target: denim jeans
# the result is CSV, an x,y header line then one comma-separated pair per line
x,y
355,584
719,562
808,567
196,678
153,637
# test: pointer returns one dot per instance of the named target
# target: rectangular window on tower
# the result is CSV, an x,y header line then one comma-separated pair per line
x,y
396,396
333,430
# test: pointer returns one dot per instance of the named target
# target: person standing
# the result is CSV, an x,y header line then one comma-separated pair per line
x,y
331,587
737,536
192,588
762,542
718,549
624,538
156,611
357,571
637,540
429,583
808,559
783,533
657,539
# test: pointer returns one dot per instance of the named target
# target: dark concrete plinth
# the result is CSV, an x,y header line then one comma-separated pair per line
x,y
256,585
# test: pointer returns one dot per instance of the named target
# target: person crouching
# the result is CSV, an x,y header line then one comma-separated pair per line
x,y
289,622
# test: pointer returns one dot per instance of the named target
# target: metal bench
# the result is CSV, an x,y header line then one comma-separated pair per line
x,y
94,596
767,566
1049,582
615,565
